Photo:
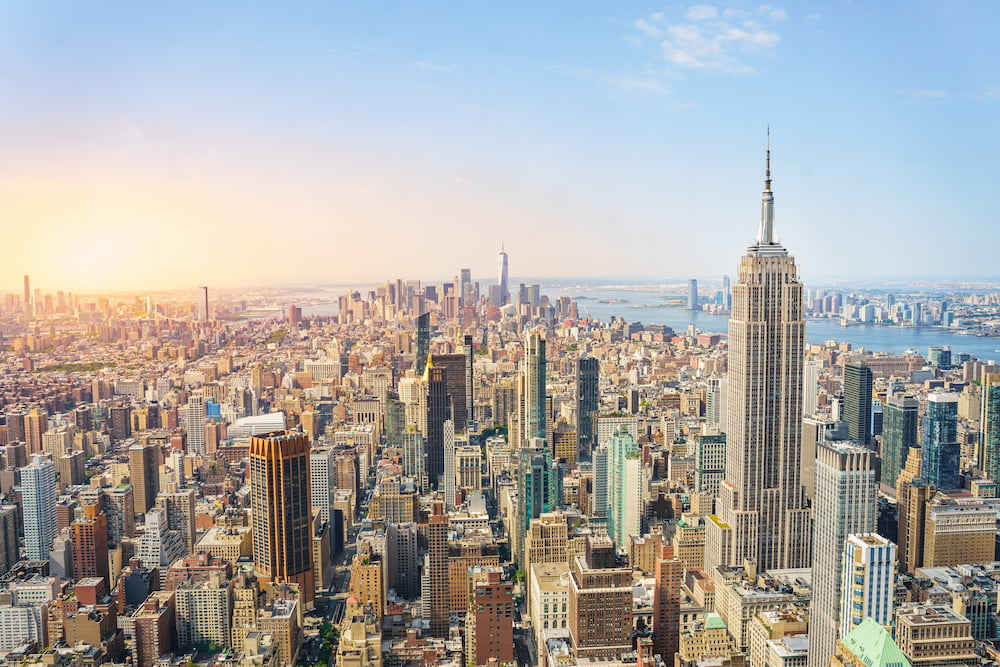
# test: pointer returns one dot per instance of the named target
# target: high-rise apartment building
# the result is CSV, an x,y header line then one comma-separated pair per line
x,y
321,481
627,488
858,403
434,578
669,574
587,404
693,295
280,500
9,551
490,624
533,369
989,427
423,342
939,441
144,474
845,502
503,278
535,487
195,423
90,544
762,502
868,583
912,494
438,412
38,500
899,435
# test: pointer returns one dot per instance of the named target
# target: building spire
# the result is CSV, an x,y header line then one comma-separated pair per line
x,y
765,235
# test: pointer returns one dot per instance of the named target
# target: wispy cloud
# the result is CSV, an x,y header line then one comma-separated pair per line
x,y
707,37
923,94
648,83
425,66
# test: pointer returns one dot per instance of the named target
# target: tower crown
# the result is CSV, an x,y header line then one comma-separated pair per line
x,y
767,243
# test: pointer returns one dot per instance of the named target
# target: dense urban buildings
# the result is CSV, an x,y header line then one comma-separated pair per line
x,y
480,473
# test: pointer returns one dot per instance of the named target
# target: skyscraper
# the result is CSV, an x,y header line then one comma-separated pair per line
x,y
144,474
939,441
535,492
423,342
626,488
762,503
503,278
449,465
438,412
858,402
899,434
727,292
27,297
669,574
844,504
868,583
693,295
989,424
587,403
279,498
38,497
533,387
810,387
195,423
203,303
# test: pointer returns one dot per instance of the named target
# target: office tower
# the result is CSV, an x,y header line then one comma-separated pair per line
x,y
470,400
693,295
899,435
321,481
401,563
868,582
912,494
600,504
395,420
423,343
434,579
866,645
195,423
279,498
9,551
858,402
503,278
715,402
36,423
534,488
940,356
438,412
143,472
469,468
27,297
709,463
203,303
844,504
939,442
669,574
533,369
368,581
935,636
958,529
90,544
626,488
587,404
449,465
490,624
600,610
413,456
762,503
456,370
727,293
179,507
38,500
810,387
989,427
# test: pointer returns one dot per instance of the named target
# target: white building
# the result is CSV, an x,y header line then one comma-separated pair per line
x,y
869,581
38,497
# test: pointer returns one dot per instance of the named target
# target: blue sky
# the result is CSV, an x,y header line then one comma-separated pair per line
x,y
184,143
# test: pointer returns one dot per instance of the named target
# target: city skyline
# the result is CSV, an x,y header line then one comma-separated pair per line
x,y
355,130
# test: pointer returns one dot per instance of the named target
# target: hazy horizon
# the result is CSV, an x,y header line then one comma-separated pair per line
x,y
226,143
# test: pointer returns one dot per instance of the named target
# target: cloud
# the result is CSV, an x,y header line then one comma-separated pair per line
x,y
923,95
701,12
705,38
649,84
628,84
425,66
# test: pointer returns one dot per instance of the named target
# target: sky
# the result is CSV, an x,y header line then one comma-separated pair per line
x,y
172,144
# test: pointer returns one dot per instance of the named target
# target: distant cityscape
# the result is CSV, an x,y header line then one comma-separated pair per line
x,y
475,472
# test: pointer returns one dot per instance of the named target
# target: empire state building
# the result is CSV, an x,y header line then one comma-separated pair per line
x,y
761,516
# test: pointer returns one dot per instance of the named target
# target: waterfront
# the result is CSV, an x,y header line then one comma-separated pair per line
x,y
647,307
